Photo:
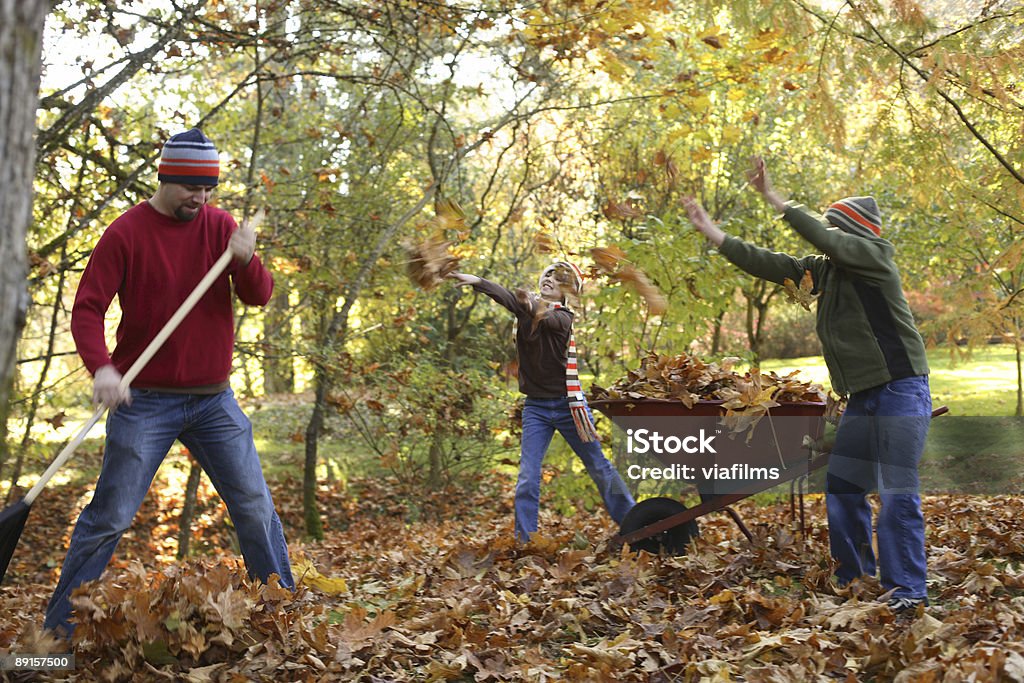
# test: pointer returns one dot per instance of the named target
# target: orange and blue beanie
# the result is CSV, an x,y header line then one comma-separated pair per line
x,y
857,216
189,158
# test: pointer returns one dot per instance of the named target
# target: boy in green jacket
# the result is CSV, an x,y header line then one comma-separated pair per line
x,y
876,356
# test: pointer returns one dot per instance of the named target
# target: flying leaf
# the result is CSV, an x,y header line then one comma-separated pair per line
x,y
656,301
613,263
429,262
450,215
621,211
44,266
608,258
804,294
543,243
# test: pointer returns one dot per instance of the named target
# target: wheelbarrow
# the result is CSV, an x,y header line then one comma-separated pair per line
x,y
782,443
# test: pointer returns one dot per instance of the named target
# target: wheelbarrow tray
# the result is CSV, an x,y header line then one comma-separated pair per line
x,y
620,410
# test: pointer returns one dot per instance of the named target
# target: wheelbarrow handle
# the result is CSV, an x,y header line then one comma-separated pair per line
x,y
147,354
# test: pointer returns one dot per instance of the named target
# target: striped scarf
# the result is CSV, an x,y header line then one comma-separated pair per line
x,y
577,403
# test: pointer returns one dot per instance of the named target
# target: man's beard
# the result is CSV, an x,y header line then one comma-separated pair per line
x,y
181,213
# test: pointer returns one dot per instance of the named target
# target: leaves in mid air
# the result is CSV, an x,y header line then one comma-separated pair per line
x,y
430,260
612,262
803,294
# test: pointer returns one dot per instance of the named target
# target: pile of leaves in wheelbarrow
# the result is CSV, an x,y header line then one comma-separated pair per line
x,y
746,397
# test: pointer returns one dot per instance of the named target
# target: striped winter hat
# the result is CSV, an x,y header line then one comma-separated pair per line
x,y
189,158
857,216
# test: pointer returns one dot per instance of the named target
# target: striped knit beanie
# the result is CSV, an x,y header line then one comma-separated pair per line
x,y
189,158
571,269
857,216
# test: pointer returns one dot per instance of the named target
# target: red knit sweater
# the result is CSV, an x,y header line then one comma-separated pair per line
x,y
152,262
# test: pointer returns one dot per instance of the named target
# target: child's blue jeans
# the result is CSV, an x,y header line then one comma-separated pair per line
x,y
541,417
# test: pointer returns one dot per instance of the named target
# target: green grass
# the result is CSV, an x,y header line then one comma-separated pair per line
x,y
984,384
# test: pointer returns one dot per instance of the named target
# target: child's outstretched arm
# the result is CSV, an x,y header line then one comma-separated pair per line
x,y
759,179
519,305
773,266
463,279
700,219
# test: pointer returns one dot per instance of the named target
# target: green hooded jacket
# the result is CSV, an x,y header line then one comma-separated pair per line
x,y
867,331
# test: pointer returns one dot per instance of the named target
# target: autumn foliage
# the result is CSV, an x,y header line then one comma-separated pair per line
x,y
451,598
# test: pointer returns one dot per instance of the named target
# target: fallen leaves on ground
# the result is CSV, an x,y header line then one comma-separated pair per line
x,y
450,597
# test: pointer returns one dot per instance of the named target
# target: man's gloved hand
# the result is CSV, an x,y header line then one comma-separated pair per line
x,y
106,388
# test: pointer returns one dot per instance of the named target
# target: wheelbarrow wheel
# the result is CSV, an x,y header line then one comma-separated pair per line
x,y
671,541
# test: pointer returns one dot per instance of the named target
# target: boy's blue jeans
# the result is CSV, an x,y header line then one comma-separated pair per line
x,y
878,447
219,436
541,417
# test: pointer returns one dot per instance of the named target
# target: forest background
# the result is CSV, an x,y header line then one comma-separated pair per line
x,y
558,127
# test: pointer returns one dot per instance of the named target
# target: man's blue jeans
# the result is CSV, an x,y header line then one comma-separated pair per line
x,y
541,417
878,447
219,436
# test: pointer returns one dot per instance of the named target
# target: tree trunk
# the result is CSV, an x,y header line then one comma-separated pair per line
x,y
435,455
716,335
334,337
762,316
310,508
752,341
278,374
437,469
1020,379
21,33
40,388
278,370
188,510
758,301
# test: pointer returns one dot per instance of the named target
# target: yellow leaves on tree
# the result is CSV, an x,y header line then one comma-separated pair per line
x,y
581,30
731,134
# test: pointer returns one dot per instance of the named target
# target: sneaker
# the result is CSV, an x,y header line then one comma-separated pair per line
x,y
899,605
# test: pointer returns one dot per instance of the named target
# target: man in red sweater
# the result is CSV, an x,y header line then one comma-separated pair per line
x,y
151,258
